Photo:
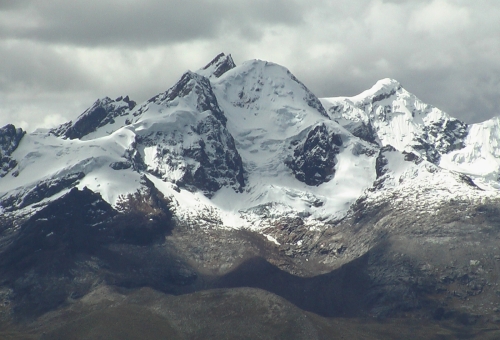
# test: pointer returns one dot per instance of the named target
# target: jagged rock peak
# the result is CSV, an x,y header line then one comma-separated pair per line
x,y
218,66
126,99
102,112
10,136
197,84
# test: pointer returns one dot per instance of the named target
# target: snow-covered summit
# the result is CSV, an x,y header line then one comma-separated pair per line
x,y
259,94
387,114
383,88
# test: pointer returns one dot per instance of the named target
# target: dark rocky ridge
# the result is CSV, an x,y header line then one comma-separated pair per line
x,y
440,138
382,162
219,162
221,64
45,260
200,86
363,131
101,113
447,135
10,137
39,191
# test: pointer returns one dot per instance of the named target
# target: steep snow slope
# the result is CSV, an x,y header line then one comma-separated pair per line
x,y
48,165
480,156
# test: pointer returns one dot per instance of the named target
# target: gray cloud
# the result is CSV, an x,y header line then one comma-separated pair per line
x,y
33,67
13,4
58,56
145,23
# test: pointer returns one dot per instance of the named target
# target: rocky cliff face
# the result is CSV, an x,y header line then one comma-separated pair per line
x,y
313,161
10,137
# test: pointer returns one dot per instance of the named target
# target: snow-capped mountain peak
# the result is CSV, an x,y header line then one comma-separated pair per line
x,y
387,114
246,142
382,89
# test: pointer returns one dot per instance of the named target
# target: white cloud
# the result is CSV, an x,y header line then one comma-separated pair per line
x,y
440,18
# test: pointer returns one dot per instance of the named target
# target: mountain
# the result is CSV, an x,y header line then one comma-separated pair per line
x,y
239,176
389,115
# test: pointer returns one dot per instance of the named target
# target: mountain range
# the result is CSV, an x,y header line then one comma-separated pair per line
x,y
239,176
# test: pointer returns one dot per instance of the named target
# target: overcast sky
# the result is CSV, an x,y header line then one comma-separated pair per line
x,y
58,56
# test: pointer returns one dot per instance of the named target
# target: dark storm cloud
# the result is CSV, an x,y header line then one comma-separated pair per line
x,y
145,23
